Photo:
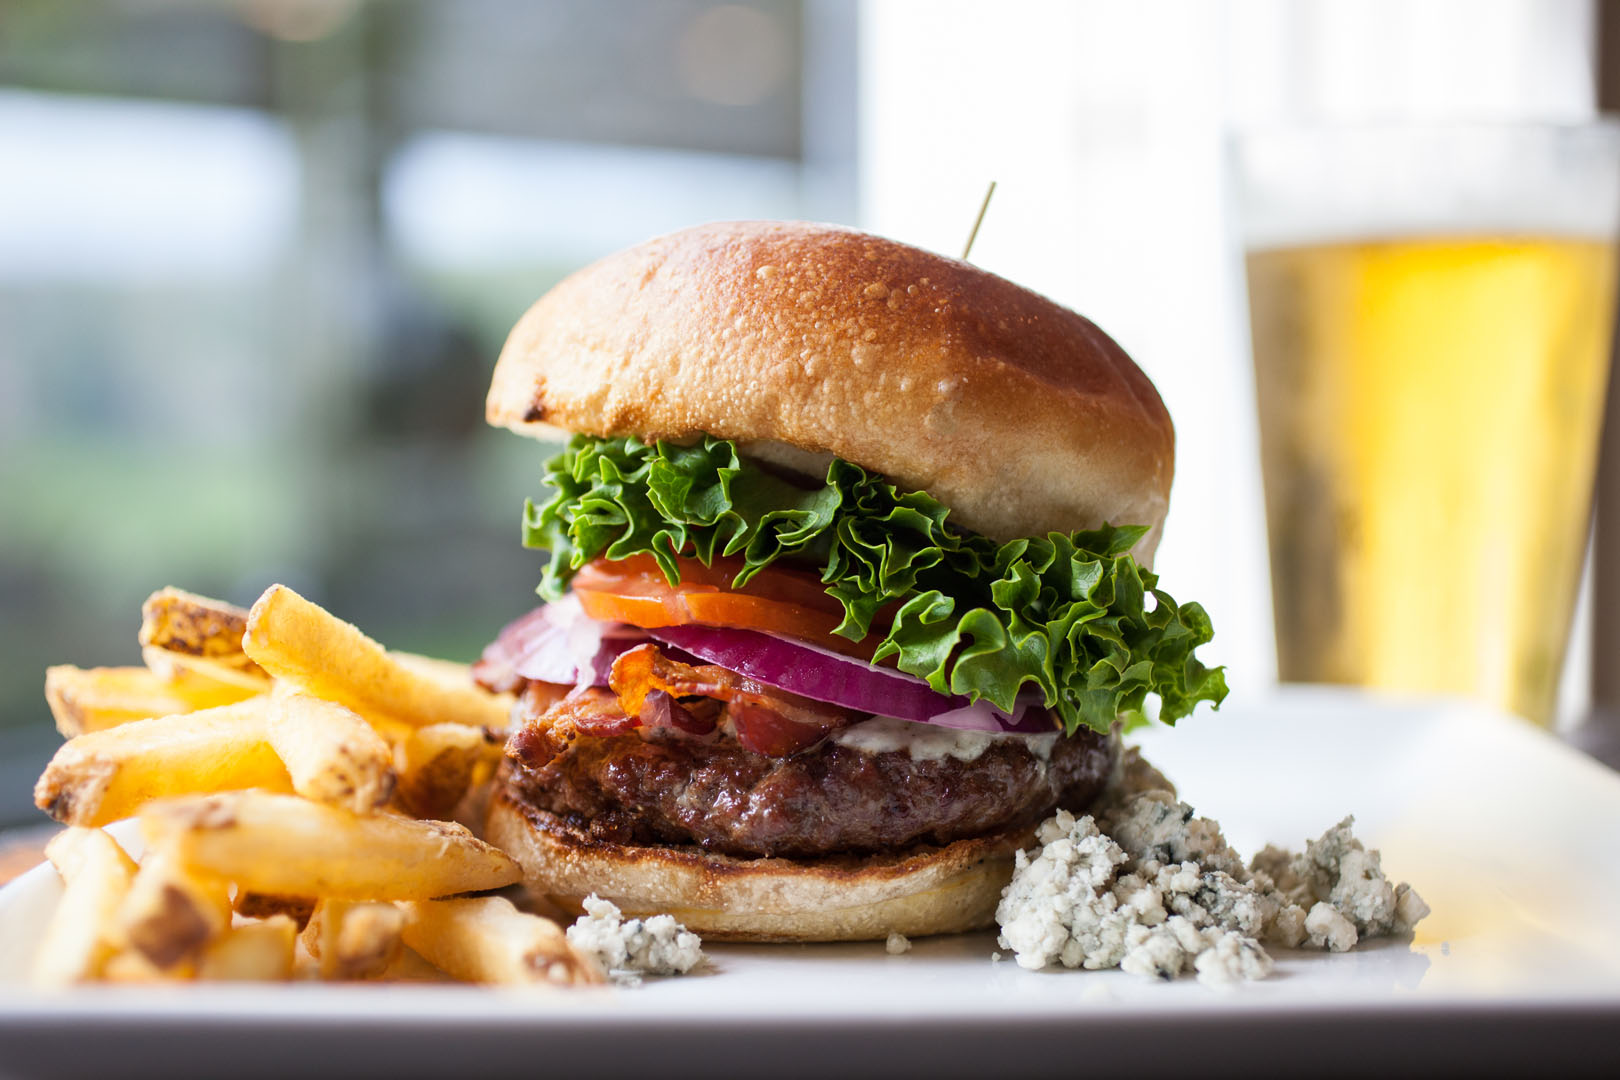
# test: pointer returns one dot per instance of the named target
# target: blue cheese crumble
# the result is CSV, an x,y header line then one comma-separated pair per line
x,y
657,945
1147,886
1343,886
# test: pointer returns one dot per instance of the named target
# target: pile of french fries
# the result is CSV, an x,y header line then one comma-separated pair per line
x,y
302,796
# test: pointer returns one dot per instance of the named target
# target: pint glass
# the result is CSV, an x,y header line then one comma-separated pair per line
x,y
1431,313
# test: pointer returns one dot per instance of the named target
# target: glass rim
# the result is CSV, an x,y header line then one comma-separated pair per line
x,y
1599,128
1608,124
1322,182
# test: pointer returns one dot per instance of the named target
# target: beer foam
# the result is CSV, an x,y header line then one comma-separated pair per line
x,y
1317,185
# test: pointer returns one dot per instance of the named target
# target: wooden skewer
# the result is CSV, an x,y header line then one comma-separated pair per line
x,y
974,235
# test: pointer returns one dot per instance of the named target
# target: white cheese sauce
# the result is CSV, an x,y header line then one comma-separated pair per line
x,y
930,742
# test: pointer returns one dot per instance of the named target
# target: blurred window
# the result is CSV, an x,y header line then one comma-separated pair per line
x,y
257,258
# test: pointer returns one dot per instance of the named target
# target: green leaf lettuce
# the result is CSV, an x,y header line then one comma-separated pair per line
x,y
1062,617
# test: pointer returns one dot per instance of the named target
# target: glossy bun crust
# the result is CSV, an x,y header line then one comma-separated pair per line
x,y
800,341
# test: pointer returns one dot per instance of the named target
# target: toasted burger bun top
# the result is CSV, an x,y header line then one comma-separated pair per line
x,y
800,341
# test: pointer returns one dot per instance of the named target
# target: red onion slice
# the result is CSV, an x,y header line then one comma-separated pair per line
x,y
548,658
823,675
558,643
496,668
812,673
1029,717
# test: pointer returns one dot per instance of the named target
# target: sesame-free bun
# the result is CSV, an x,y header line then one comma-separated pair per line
x,y
915,891
800,341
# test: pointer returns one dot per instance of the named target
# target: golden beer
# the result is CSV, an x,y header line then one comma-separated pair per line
x,y
1429,416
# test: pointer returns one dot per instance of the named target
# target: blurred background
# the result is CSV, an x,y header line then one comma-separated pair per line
x,y
257,257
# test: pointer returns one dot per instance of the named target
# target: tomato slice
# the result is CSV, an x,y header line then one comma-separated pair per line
x,y
777,600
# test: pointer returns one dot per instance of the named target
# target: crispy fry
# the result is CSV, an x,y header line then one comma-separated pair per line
x,y
287,845
282,698
185,624
453,675
83,933
486,939
190,638
178,621
170,913
180,670
251,952
393,731
331,754
438,763
130,965
254,905
390,729
204,686
296,640
450,674
354,939
106,775
94,699
409,966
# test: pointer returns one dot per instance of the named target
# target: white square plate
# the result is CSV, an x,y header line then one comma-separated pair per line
x,y
1511,837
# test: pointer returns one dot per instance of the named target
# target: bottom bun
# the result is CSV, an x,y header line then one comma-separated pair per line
x,y
917,891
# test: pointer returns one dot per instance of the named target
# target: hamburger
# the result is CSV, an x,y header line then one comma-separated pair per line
x,y
848,583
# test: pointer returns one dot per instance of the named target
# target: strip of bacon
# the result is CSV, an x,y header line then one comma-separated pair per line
x,y
550,721
767,721
651,690
693,717
549,727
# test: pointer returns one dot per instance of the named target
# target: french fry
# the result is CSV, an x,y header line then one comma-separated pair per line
x,y
83,933
102,776
253,905
447,673
439,762
331,754
201,634
106,775
326,657
180,670
170,913
130,965
354,939
94,699
285,845
393,731
487,940
409,966
233,712
251,952
451,674
203,687
189,636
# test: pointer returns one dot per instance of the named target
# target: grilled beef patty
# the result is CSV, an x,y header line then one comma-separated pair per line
x,y
660,787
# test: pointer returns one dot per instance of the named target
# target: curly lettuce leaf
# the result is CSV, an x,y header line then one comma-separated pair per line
x,y
1062,617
